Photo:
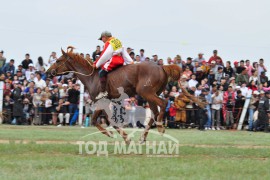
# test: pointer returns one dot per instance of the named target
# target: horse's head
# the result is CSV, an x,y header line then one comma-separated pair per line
x,y
60,67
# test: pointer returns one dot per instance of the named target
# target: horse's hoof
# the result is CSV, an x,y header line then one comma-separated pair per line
x,y
161,130
128,141
110,134
142,141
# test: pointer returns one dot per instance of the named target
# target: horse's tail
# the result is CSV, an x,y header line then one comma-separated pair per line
x,y
173,71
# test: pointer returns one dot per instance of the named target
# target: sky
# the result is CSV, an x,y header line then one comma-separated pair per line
x,y
238,29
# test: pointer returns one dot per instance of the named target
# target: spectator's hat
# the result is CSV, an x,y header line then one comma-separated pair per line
x,y
262,92
65,85
31,65
256,92
200,53
203,62
215,51
199,69
267,93
154,55
16,82
232,78
189,58
213,62
235,62
105,33
184,77
2,51
130,49
178,57
237,87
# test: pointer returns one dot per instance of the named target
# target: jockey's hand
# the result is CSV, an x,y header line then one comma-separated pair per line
x,y
94,66
132,62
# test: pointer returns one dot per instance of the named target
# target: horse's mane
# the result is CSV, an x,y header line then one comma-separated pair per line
x,y
77,57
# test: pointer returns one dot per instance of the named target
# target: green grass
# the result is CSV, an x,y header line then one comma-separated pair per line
x,y
229,156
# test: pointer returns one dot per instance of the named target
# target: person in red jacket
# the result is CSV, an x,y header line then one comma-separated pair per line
x,y
112,56
215,58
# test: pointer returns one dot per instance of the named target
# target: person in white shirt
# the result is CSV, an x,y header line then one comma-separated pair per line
x,y
142,57
192,82
39,83
52,58
137,59
244,89
216,106
29,71
198,90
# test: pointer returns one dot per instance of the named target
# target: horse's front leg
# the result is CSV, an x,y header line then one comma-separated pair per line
x,y
98,125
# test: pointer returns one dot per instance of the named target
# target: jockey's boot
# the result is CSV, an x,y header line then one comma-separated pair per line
x,y
103,93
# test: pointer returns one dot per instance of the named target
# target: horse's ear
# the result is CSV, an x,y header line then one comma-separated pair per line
x,y
71,49
63,52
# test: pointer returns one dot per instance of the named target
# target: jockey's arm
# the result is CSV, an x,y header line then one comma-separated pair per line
x,y
105,56
126,56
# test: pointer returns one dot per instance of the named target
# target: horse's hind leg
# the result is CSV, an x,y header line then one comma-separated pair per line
x,y
123,134
98,125
155,101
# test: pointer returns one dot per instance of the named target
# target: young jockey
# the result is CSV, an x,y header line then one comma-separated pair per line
x,y
112,56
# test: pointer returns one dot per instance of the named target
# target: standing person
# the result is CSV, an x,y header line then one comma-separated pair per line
x,y
61,110
96,53
202,113
113,55
249,67
253,104
229,112
26,61
142,57
73,99
228,69
52,58
2,60
189,64
39,83
38,103
199,59
261,67
40,64
208,98
180,103
215,57
18,103
216,106
55,96
9,67
29,71
239,103
263,116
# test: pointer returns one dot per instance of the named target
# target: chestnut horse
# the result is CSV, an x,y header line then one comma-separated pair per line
x,y
146,79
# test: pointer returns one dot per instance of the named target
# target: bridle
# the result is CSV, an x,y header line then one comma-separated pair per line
x,y
53,71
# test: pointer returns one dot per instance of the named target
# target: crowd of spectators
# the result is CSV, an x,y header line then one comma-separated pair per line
x,y
32,98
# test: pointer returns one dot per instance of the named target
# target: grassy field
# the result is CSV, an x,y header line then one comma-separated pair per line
x,y
31,152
